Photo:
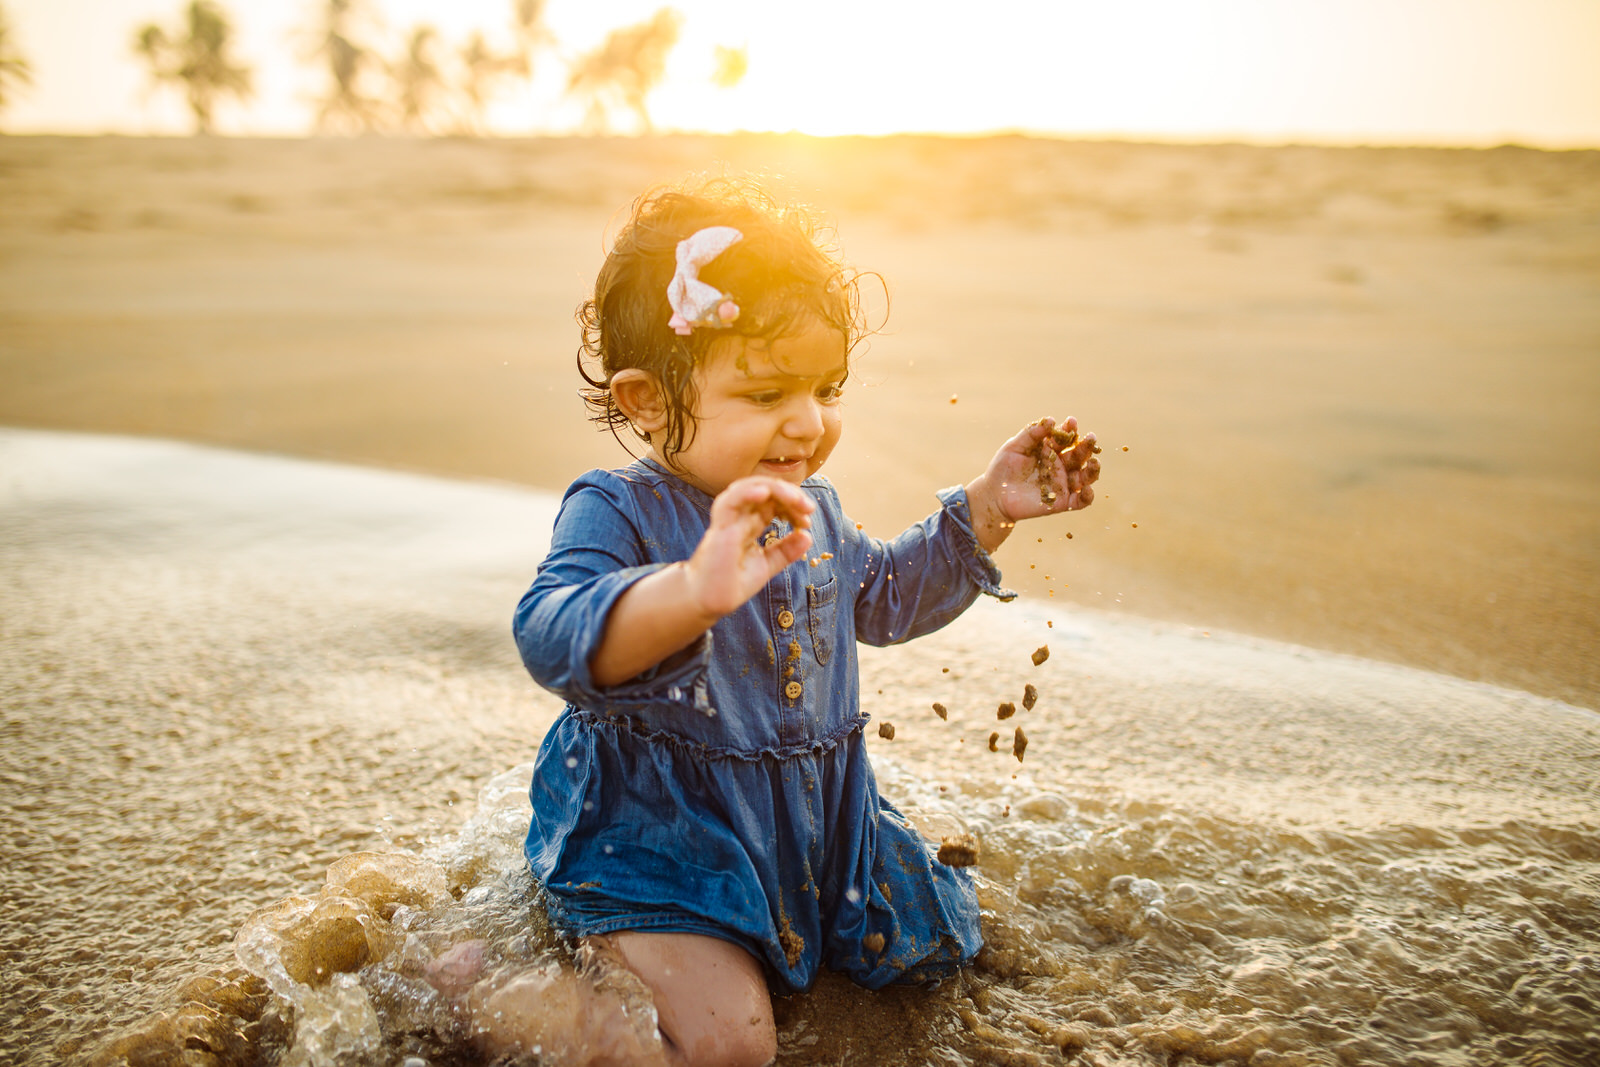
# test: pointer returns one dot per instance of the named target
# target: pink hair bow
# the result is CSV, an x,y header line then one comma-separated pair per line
x,y
694,303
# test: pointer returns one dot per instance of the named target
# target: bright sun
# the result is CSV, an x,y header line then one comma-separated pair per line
x,y
1430,71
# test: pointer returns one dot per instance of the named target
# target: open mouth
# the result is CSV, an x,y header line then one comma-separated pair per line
x,y
785,463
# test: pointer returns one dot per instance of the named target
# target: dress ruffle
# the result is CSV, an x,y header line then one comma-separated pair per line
x,y
794,858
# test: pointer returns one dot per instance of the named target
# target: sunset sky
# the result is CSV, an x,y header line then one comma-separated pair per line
x,y
1470,72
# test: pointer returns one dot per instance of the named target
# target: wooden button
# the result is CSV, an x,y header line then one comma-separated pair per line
x,y
770,539
785,618
793,690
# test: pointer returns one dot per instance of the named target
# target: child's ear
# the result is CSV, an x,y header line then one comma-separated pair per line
x,y
638,396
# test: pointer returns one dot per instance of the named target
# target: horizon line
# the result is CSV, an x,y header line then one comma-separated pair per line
x,y
1218,140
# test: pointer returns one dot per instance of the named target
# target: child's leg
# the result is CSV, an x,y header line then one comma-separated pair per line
x,y
711,996
569,1018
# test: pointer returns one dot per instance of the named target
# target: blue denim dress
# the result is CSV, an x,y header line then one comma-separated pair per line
x,y
727,790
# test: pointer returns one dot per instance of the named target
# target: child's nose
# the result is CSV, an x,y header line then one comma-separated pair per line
x,y
805,420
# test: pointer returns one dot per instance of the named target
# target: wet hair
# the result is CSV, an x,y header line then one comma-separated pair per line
x,y
785,276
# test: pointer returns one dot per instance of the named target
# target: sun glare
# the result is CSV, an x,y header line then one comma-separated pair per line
x,y
1251,69
1440,71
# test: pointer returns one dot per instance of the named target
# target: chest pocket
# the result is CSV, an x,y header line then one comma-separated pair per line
x,y
820,606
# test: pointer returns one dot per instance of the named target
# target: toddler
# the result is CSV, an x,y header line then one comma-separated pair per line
x,y
704,812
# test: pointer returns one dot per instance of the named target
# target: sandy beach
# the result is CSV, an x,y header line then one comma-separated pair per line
x,y
1359,389
261,712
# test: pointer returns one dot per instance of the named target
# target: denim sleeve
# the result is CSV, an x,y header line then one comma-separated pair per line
x,y
921,580
596,554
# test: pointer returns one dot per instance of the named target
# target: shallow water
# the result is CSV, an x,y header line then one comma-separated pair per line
x,y
224,674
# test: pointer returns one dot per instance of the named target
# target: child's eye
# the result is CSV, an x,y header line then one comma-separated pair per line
x,y
831,391
770,396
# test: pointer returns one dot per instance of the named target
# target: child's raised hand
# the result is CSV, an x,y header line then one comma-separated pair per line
x,y
662,612
731,565
1046,468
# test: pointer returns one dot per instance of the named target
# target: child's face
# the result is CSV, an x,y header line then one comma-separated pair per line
x,y
769,408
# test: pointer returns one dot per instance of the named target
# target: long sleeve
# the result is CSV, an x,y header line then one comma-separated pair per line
x,y
919,581
597,551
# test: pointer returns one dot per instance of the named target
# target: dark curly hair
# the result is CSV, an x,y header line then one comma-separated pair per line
x,y
784,275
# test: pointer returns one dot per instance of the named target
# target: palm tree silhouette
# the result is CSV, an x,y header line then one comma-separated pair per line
x,y
345,107
199,59
14,68
527,17
418,79
629,63
482,68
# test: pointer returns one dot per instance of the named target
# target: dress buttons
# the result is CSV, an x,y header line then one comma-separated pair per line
x,y
785,618
770,539
793,690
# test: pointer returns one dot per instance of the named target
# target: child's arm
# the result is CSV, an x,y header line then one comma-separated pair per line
x,y
665,611
912,585
1028,477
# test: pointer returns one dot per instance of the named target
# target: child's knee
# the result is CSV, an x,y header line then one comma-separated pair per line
x,y
736,1036
710,996
749,1042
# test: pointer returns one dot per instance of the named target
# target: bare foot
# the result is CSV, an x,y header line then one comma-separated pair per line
x,y
455,970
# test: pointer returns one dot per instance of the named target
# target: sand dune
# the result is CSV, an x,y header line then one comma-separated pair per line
x,y
1360,388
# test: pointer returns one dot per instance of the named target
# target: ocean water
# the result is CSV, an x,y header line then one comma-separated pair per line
x,y
266,742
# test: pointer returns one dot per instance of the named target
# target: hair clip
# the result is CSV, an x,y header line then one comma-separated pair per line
x,y
694,303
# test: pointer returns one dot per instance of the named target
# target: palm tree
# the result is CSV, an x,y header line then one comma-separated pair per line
x,y
345,107
418,79
527,24
14,68
199,59
629,63
482,69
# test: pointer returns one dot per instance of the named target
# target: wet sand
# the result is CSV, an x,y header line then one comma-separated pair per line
x,y
1360,388
225,674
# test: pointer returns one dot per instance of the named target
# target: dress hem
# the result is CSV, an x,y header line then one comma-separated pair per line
x,y
617,724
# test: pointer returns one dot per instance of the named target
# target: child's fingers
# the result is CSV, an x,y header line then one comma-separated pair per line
x,y
1058,433
1068,424
740,498
745,524
1027,439
767,498
1025,447
739,507
1080,478
786,499
1081,454
787,550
